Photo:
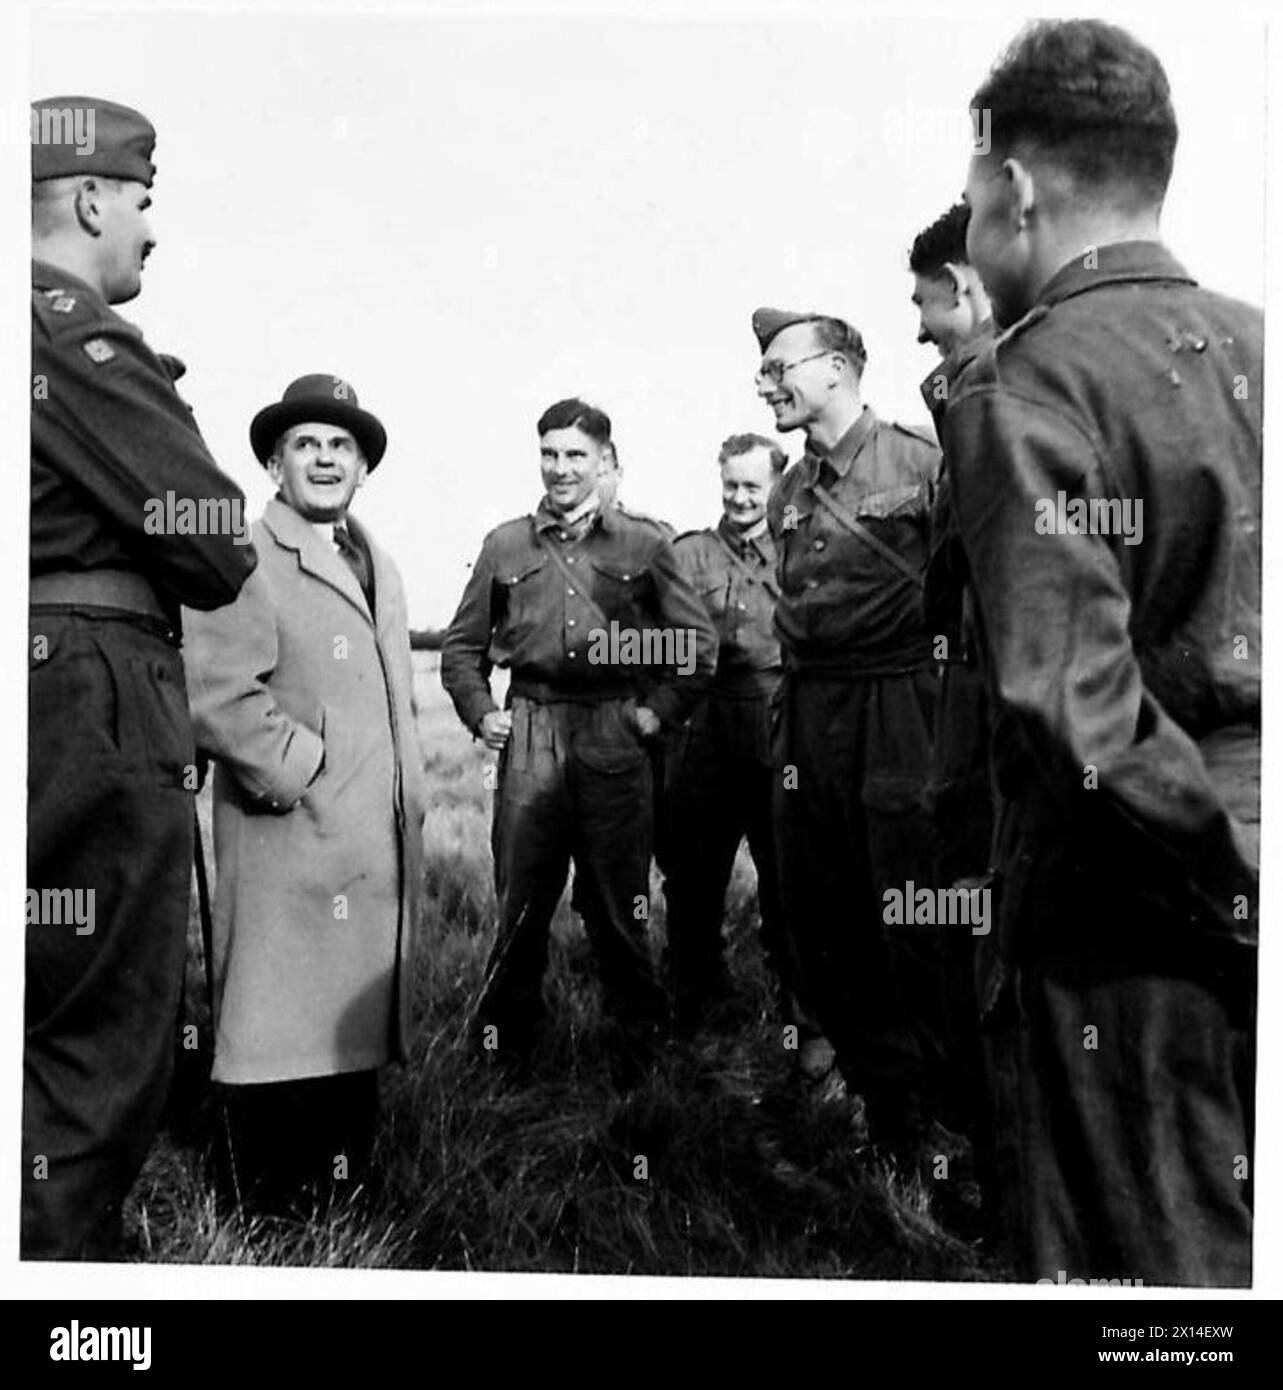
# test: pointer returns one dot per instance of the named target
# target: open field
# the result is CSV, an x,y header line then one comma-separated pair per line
x,y
744,1174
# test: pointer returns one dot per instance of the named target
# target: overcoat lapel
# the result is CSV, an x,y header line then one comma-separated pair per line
x,y
318,559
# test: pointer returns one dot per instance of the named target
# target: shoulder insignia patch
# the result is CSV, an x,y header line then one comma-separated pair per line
x,y
64,304
99,350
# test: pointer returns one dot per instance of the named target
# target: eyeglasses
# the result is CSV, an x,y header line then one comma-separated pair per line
x,y
774,371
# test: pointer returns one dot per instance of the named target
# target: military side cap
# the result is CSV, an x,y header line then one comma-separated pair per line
x,y
321,397
87,135
768,322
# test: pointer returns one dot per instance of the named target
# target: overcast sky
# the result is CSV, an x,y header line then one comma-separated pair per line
x,y
472,217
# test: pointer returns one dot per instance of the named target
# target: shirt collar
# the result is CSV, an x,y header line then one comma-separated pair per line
x,y
741,545
1117,263
966,352
588,514
844,453
286,519
952,363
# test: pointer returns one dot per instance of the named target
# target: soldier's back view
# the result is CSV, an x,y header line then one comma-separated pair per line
x,y
1106,454
111,758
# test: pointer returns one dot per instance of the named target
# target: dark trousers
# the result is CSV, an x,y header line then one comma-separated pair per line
x,y
109,742
290,1144
1118,1033
960,799
582,895
574,784
1129,1158
717,792
960,789
851,761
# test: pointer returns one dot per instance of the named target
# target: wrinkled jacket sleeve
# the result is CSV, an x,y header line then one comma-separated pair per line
x,y
465,661
674,698
126,438
230,655
1055,613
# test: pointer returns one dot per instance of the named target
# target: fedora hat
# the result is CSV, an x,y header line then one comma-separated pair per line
x,y
318,396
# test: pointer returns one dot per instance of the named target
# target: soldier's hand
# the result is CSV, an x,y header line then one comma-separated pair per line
x,y
495,728
648,724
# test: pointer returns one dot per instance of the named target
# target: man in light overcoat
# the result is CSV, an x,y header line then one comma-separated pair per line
x,y
302,694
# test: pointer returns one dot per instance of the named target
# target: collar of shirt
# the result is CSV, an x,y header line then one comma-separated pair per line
x,y
952,363
844,453
748,545
1116,263
578,523
325,530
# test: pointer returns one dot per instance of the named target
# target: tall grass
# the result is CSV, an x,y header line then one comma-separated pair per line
x,y
718,1163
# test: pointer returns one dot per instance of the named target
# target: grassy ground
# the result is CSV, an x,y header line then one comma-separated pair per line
x,y
743,1174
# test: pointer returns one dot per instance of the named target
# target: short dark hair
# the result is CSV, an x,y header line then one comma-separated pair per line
x,y
840,336
943,243
1091,99
738,444
574,413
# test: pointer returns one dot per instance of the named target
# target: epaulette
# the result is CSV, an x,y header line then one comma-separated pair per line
x,y
515,523
919,432
662,527
174,366
692,534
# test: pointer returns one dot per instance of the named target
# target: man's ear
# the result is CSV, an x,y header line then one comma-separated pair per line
x,y
274,468
957,278
1022,194
362,471
88,205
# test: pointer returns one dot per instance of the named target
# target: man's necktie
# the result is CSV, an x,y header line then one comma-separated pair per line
x,y
357,561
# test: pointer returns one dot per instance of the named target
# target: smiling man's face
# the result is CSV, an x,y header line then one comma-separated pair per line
x,y
797,376
318,468
570,462
944,317
747,480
